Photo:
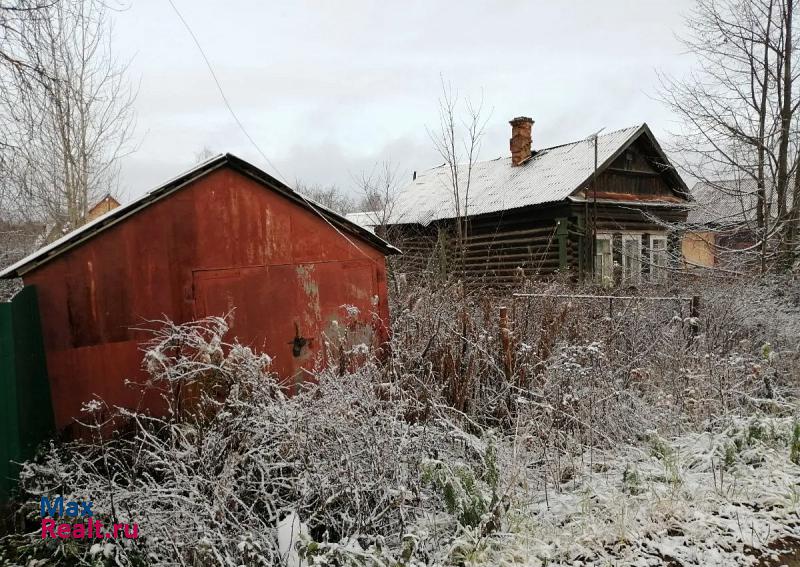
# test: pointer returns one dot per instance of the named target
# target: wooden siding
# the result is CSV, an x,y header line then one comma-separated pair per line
x,y
108,203
538,240
500,249
698,249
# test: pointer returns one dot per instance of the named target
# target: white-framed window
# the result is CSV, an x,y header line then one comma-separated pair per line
x,y
603,259
658,257
631,257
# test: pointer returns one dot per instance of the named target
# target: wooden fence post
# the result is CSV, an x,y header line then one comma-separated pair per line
x,y
562,234
505,341
694,313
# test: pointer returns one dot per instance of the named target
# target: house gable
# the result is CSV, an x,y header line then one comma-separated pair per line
x,y
539,216
638,171
100,208
557,174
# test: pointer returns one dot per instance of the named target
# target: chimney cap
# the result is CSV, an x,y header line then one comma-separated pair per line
x,y
520,120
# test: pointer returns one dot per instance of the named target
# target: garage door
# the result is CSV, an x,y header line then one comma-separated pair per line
x,y
290,311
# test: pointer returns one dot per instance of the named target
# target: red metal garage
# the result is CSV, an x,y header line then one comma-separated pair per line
x,y
222,235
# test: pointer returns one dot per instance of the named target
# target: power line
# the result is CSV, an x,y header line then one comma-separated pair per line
x,y
222,92
312,206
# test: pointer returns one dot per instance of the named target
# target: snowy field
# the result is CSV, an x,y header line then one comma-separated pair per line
x,y
718,499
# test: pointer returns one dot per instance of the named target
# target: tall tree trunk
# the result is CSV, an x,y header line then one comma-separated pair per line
x,y
786,112
762,208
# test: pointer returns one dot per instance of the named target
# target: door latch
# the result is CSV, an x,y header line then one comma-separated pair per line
x,y
298,342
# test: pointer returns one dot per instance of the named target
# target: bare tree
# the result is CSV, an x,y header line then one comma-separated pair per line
x,y
330,196
203,154
458,141
378,195
66,130
17,18
738,109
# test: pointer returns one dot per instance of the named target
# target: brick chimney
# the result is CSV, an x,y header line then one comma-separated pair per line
x,y
520,141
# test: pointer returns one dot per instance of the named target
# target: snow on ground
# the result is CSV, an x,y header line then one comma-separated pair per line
x,y
701,499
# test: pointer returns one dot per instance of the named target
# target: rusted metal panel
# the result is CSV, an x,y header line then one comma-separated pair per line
x,y
224,240
291,311
227,161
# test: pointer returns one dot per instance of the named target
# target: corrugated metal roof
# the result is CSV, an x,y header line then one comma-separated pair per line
x,y
550,175
112,217
728,203
366,219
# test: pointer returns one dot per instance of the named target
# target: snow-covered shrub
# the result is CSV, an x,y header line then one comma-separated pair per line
x,y
210,484
653,365
429,450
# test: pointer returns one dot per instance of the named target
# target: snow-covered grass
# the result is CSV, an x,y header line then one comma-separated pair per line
x,y
590,372
713,498
635,435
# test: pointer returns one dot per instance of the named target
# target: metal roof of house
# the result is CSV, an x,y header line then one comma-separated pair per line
x,y
366,219
728,203
119,214
550,175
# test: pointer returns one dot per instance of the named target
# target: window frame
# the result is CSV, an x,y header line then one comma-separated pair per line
x,y
631,237
658,273
599,277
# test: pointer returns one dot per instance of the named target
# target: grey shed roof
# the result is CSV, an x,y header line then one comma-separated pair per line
x,y
366,219
728,203
550,175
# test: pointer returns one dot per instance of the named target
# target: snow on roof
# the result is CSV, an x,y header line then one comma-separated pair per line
x,y
112,217
728,203
366,219
723,202
550,175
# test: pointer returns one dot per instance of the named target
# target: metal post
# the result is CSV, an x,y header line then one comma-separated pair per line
x,y
591,233
594,207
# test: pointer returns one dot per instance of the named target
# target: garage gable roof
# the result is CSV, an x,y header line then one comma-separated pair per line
x,y
111,218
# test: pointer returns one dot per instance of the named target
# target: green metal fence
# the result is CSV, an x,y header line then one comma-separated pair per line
x,y
26,411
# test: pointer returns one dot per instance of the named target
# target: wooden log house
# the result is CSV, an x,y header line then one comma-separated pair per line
x,y
599,207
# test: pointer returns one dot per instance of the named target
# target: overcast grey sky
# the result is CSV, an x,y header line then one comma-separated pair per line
x,y
328,89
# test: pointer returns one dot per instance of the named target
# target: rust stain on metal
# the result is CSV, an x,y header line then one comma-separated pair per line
x,y
306,273
222,241
92,299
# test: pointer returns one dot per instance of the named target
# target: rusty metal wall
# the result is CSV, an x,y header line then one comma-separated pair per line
x,y
223,241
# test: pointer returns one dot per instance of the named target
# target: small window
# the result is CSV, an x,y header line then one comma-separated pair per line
x,y
631,257
658,258
603,260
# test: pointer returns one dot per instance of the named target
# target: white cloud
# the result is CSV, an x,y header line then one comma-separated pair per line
x,y
329,88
